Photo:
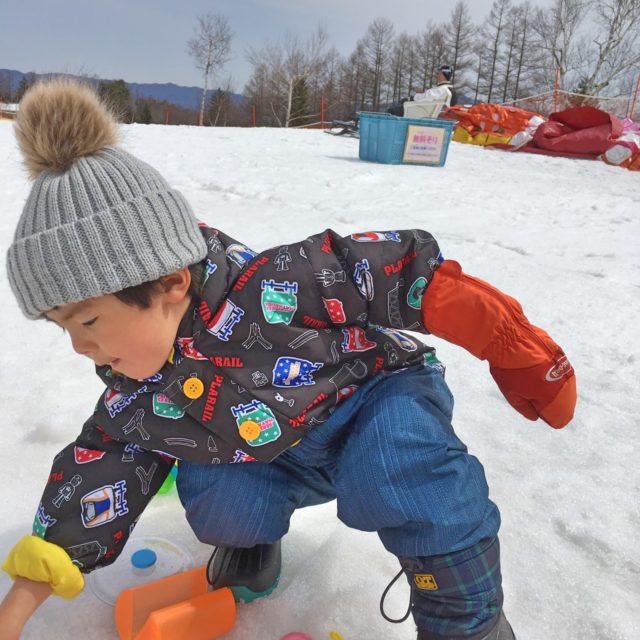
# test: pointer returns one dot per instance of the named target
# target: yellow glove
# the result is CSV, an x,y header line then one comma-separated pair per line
x,y
42,561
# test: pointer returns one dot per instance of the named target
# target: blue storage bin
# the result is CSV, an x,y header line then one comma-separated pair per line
x,y
398,140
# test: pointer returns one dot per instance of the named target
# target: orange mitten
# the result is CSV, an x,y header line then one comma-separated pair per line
x,y
530,369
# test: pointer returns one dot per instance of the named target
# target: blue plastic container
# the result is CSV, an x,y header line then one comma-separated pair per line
x,y
397,140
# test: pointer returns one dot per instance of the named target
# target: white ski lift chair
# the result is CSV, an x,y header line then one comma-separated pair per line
x,y
426,108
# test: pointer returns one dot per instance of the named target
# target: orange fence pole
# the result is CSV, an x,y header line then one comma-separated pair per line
x,y
632,108
166,116
253,115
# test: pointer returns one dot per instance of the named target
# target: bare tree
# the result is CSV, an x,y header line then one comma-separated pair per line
x,y
325,86
263,86
480,63
616,47
507,59
459,36
210,47
557,30
522,15
402,66
377,46
219,106
424,54
432,50
493,35
412,67
285,67
356,79
257,88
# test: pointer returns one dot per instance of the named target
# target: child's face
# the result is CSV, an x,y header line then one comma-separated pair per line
x,y
132,340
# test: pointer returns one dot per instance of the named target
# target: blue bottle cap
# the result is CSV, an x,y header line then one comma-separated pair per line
x,y
143,558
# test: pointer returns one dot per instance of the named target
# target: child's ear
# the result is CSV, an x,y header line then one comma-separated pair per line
x,y
176,285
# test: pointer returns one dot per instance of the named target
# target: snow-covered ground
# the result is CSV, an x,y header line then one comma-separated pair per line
x,y
560,235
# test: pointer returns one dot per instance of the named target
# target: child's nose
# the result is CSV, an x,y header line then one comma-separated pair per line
x,y
82,345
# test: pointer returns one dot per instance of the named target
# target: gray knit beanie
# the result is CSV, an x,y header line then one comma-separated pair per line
x,y
97,220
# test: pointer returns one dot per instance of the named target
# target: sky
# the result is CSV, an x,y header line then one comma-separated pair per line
x,y
145,40
559,235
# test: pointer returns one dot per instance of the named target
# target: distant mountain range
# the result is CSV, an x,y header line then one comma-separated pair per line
x,y
186,97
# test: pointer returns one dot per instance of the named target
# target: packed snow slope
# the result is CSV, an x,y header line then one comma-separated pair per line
x,y
560,235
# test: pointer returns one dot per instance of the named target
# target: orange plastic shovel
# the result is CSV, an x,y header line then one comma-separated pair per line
x,y
178,607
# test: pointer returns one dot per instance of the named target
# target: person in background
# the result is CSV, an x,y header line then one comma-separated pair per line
x,y
443,91
397,108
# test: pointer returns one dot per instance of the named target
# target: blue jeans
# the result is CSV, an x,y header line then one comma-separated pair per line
x,y
388,454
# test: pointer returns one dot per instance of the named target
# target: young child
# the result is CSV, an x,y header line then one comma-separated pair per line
x,y
279,380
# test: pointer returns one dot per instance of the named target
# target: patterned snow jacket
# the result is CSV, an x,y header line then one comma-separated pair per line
x,y
273,344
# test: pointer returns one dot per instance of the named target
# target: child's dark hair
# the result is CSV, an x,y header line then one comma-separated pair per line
x,y
141,295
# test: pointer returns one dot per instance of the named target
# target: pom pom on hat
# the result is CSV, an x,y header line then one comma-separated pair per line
x,y
97,220
59,122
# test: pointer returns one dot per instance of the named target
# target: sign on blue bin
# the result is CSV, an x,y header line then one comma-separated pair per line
x,y
398,140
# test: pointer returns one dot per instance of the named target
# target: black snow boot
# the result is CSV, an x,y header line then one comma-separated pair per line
x,y
501,630
249,573
458,595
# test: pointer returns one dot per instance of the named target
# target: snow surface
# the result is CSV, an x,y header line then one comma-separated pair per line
x,y
560,235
